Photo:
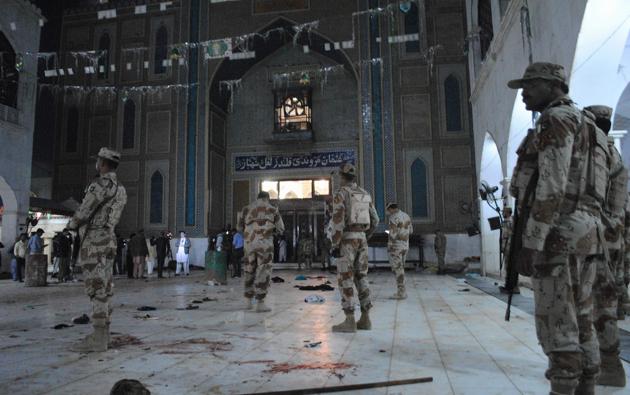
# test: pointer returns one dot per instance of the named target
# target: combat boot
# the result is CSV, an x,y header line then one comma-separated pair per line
x,y
249,304
401,294
348,326
96,341
561,389
612,372
621,312
261,307
586,386
364,322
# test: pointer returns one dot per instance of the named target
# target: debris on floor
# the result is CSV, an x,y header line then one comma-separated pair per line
x,y
81,320
287,367
464,290
321,287
277,279
124,340
300,277
207,299
146,308
313,345
62,326
196,301
145,317
317,277
314,299
189,307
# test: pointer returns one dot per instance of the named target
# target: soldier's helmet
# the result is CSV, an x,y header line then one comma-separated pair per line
x,y
600,111
107,153
544,71
348,169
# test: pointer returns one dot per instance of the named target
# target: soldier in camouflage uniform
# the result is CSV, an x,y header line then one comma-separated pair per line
x,y
95,220
400,229
354,220
607,286
305,250
258,222
439,245
562,233
624,299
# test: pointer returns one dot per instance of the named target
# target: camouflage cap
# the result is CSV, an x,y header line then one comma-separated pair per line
x,y
600,111
348,169
110,154
541,70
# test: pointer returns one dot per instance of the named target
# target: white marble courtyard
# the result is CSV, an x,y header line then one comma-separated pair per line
x,y
457,337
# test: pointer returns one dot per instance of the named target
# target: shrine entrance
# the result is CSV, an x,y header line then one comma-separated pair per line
x,y
302,204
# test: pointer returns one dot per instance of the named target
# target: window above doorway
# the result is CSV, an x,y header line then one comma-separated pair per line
x,y
296,189
293,110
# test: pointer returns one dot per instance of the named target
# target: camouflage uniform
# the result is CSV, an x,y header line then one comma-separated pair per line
x,y
563,227
258,223
605,287
400,228
99,213
624,299
306,252
439,245
352,264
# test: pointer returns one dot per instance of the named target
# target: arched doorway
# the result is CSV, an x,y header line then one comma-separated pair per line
x,y
9,227
491,174
276,124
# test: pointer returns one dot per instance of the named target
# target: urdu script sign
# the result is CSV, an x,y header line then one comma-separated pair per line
x,y
311,160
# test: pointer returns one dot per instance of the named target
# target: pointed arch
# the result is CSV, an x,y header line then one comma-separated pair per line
x,y
9,76
156,198
412,26
419,189
453,103
104,46
161,50
129,125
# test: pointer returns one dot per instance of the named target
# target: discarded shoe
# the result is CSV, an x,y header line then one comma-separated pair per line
x,y
277,279
146,308
81,320
316,299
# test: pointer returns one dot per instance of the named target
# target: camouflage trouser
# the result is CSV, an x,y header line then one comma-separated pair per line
x,y
397,258
97,263
258,267
352,269
440,259
605,304
564,317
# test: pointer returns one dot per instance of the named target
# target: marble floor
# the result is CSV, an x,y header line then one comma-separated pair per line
x,y
446,329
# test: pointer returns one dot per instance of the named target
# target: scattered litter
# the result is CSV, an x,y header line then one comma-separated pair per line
x,y
207,299
300,278
321,287
32,306
314,299
242,336
13,336
62,326
212,283
197,301
146,308
81,320
189,307
382,351
124,340
277,279
317,277
313,345
464,290
286,367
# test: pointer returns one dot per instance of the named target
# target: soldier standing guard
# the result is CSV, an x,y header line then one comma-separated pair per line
x,y
354,220
400,228
95,220
609,274
560,183
259,221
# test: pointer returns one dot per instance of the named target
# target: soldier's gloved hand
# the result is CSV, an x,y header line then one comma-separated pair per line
x,y
336,253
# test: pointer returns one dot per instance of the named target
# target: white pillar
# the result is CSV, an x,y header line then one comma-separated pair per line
x,y
617,135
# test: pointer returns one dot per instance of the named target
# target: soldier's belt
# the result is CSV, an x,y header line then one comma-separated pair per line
x,y
353,235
